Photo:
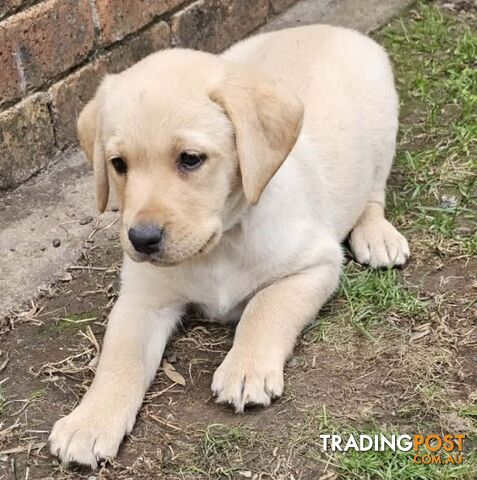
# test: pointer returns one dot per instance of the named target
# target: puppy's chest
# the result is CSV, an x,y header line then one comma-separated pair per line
x,y
224,281
221,289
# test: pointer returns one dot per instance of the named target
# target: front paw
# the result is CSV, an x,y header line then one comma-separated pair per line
x,y
378,244
88,434
243,380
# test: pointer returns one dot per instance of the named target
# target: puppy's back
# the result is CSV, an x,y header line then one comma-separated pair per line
x,y
345,82
303,57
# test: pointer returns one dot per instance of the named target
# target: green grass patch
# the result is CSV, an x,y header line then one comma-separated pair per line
x,y
434,54
372,294
222,452
470,412
223,442
431,391
37,395
367,298
371,465
73,321
389,465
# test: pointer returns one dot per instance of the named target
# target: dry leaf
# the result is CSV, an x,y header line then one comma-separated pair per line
x,y
172,373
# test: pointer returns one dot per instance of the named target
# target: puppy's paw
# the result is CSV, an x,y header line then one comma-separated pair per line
x,y
378,244
243,380
87,435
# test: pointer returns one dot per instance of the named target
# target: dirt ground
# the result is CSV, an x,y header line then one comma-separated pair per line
x,y
394,351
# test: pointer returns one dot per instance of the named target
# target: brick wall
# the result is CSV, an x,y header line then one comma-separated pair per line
x,y
53,54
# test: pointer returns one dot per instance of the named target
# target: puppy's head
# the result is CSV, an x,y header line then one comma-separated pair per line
x,y
182,135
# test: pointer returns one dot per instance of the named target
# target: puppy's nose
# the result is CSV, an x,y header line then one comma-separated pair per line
x,y
146,238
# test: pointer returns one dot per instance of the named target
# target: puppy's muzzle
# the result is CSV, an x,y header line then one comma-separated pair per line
x,y
146,238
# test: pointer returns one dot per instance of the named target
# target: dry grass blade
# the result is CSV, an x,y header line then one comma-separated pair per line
x,y
98,228
90,336
24,448
66,366
165,422
4,364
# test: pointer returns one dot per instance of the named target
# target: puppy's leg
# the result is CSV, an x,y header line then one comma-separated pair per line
x,y
252,371
375,241
133,346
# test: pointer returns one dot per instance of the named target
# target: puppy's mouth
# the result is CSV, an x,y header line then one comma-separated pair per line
x,y
162,260
209,244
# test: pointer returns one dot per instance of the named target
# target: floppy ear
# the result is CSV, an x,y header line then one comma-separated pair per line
x,y
267,120
89,137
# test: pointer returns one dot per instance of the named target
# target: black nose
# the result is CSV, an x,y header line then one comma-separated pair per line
x,y
146,238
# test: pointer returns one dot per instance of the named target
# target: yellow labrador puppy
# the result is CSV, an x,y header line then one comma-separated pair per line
x,y
238,177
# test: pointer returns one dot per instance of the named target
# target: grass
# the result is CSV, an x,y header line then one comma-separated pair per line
x,y
431,391
36,395
3,401
434,60
389,465
223,442
220,452
371,294
367,298
371,465
470,412
74,321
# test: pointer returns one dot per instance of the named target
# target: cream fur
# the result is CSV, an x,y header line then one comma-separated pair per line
x,y
271,266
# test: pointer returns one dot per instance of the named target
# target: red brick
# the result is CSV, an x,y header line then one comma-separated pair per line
x,y
119,18
213,25
50,38
71,94
11,85
68,98
153,39
26,140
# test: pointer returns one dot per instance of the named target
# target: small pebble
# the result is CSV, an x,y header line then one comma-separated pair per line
x,y
56,242
86,220
66,277
293,362
448,201
246,474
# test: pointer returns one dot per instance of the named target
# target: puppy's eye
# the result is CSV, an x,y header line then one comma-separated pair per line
x,y
119,165
191,161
